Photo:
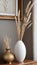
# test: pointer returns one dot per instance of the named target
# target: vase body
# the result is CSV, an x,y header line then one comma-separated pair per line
x,y
20,51
8,56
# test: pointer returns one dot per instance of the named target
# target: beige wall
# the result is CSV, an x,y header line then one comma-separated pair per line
x,y
7,27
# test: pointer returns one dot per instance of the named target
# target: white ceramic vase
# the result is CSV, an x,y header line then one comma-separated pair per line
x,y
20,51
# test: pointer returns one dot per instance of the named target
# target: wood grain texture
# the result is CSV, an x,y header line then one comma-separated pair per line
x,y
26,62
7,17
20,6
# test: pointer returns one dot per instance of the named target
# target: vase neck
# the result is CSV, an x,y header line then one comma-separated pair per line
x,y
8,50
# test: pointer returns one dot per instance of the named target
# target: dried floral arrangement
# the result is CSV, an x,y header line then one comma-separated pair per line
x,y
26,20
6,41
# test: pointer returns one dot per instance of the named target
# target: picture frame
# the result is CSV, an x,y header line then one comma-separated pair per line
x,y
20,6
8,9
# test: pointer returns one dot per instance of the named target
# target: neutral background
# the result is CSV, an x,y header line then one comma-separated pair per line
x,y
8,27
35,31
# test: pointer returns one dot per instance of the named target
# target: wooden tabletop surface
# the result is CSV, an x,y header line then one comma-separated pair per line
x,y
26,62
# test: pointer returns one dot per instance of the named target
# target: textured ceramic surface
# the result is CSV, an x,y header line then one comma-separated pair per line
x,y
20,51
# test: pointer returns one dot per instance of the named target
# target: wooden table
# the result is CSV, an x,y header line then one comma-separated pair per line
x,y
26,62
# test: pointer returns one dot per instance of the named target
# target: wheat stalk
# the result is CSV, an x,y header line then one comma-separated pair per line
x,y
16,25
29,25
16,20
19,25
23,30
27,21
30,9
29,17
6,41
28,6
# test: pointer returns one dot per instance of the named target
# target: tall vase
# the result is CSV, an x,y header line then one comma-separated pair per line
x,y
20,51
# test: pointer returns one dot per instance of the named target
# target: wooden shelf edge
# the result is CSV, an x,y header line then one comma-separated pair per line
x,y
7,17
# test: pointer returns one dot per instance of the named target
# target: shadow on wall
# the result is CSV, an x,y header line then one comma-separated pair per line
x,y
28,40
28,35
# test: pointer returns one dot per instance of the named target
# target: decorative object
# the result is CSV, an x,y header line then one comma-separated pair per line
x,y
8,56
5,2
26,21
7,7
20,49
6,41
7,11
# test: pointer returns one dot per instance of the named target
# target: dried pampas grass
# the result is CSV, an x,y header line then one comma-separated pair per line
x,y
27,8
18,25
6,41
26,21
30,9
23,30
